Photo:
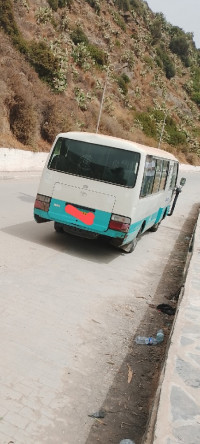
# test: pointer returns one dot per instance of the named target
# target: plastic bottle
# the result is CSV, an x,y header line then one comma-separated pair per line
x,y
150,341
144,340
127,441
160,336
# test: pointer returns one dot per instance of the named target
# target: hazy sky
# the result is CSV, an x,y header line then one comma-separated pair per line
x,y
182,13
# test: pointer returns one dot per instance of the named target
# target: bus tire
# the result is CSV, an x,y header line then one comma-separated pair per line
x,y
58,227
129,248
155,227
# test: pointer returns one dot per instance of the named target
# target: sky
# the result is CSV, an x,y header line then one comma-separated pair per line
x,y
182,13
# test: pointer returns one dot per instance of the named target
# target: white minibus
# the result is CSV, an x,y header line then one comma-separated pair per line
x,y
96,185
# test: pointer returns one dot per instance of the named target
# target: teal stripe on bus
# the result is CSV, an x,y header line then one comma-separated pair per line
x,y
104,216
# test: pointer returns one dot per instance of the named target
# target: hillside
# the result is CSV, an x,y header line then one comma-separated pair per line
x,y
59,56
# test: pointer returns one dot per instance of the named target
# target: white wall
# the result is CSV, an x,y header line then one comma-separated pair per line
x,y
12,159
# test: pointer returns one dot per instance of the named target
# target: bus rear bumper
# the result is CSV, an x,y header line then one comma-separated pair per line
x,y
79,232
116,237
40,219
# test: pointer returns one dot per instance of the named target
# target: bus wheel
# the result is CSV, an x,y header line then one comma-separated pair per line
x,y
128,248
58,227
155,227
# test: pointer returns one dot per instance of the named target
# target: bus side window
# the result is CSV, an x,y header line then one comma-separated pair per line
x,y
148,177
156,184
174,176
164,176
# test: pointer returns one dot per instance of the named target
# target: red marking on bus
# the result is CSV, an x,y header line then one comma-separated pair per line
x,y
87,219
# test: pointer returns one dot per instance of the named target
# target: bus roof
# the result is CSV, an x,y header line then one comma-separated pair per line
x,y
116,142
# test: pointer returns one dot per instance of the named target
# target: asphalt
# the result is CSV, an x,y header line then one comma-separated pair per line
x,y
176,414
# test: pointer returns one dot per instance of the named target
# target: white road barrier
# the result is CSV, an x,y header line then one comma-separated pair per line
x,y
12,159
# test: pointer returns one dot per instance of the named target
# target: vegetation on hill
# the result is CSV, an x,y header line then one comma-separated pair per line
x,y
58,55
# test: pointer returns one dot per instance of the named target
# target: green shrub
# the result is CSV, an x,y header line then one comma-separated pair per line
x,y
38,54
156,30
63,3
125,77
78,36
164,61
55,4
180,46
195,94
122,85
175,137
117,43
23,120
54,120
81,56
82,98
149,61
169,68
119,20
94,4
21,44
127,58
44,15
7,21
193,87
43,60
124,5
97,54
136,4
80,39
148,124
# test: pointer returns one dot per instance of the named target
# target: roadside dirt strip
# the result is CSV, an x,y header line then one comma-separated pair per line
x,y
128,406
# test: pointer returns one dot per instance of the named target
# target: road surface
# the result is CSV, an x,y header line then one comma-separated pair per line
x,y
69,309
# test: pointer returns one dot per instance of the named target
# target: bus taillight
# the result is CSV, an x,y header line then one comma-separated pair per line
x,y
42,202
119,223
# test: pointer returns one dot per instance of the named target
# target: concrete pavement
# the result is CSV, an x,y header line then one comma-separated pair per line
x,y
177,416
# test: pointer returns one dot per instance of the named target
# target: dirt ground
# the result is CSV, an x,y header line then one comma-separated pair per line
x,y
129,402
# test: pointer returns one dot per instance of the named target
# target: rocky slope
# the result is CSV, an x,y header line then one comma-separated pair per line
x,y
58,56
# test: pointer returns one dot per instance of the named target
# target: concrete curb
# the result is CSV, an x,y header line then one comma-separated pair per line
x,y
176,413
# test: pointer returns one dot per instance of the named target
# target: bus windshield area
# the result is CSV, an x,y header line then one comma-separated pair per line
x,y
98,162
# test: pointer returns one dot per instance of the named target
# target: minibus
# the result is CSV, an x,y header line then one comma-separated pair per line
x,y
97,185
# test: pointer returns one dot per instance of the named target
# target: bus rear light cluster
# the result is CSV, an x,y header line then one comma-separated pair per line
x,y
42,202
119,223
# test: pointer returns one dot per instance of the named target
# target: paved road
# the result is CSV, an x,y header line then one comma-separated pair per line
x,y
68,306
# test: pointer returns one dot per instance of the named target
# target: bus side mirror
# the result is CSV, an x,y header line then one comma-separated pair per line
x,y
182,181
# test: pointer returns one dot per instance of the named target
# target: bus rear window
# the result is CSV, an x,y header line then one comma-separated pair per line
x,y
97,162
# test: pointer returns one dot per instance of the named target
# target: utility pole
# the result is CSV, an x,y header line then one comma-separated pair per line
x,y
104,91
162,131
102,100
